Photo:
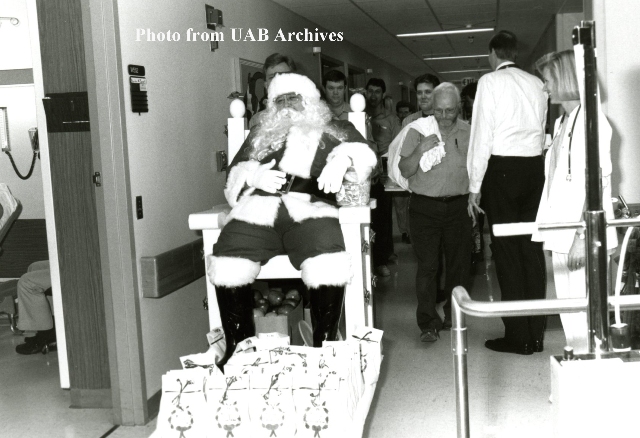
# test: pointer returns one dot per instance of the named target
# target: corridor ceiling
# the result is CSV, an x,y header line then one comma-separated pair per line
x,y
374,24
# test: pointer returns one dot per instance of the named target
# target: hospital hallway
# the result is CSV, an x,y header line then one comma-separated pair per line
x,y
509,394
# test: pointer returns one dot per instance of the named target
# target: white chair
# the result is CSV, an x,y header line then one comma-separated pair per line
x,y
353,220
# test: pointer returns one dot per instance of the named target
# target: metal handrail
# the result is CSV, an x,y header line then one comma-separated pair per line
x,y
462,304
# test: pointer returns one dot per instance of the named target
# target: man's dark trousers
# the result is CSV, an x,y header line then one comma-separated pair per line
x,y
435,225
511,192
382,225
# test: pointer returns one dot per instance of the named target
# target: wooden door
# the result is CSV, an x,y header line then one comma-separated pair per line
x,y
70,150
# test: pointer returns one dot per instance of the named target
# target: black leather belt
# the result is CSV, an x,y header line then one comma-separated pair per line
x,y
443,198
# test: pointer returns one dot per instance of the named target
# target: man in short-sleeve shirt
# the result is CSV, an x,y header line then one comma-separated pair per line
x,y
438,214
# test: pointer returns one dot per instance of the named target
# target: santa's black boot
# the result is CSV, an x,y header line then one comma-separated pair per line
x,y
236,313
326,309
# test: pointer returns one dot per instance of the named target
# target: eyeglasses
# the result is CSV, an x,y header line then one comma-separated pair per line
x,y
291,98
448,111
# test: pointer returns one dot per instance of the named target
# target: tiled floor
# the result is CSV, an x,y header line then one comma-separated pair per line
x,y
415,395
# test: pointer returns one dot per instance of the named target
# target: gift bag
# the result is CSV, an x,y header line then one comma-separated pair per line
x,y
370,340
296,357
343,358
183,407
349,348
228,406
271,408
217,343
206,360
321,409
242,363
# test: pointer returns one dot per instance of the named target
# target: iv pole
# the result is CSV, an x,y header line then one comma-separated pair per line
x,y
596,266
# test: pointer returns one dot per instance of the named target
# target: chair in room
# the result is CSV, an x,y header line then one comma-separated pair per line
x,y
8,289
354,221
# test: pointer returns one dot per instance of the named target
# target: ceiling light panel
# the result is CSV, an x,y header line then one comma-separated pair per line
x,y
446,32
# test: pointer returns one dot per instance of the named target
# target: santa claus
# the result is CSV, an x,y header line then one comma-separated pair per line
x,y
282,186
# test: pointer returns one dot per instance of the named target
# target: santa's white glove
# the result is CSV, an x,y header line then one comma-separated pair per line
x,y
266,179
330,180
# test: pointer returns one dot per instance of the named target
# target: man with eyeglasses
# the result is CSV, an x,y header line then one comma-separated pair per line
x,y
282,186
438,214
274,65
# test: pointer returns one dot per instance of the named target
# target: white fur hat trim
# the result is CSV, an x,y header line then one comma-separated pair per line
x,y
293,83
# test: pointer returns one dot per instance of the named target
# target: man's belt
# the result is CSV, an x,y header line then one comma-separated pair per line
x,y
443,198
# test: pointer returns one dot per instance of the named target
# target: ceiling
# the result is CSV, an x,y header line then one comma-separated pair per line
x,y
374,24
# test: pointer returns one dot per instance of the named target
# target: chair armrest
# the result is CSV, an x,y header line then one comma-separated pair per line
x,y
213,219
356,215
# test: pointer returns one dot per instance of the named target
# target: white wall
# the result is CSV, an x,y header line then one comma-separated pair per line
x,y
619,73
15,54
14,40
172,148
564,28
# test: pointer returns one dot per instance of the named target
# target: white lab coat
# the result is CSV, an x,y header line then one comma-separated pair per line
x,y
566,199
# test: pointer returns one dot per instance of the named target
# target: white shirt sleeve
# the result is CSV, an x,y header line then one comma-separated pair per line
x,y
481,141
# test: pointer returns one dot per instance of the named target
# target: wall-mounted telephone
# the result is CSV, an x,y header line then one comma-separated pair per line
x,y
4,130
33,138
6,147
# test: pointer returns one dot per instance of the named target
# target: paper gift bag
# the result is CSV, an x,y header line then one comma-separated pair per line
x,y
296,357
370,340
269,341
247,346
183,406
228,406
246,361
321,409
217,343
349,349
206,360
271,406
343,358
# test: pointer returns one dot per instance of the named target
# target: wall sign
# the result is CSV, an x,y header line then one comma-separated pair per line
x,y
138,87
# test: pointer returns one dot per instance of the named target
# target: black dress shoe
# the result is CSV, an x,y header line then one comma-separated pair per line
x,y
446,324
538,346
501,345
429,335
29,348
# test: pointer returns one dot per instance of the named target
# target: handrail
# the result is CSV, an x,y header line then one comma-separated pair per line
x,y
463,304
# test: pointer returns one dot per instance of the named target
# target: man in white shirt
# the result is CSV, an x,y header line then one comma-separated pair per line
x,y
505,163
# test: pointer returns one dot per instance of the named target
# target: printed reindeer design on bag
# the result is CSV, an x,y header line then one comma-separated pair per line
x,y
227,415
316,416
272,416
181,418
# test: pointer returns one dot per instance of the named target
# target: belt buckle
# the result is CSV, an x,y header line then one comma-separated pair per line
x,y
287,185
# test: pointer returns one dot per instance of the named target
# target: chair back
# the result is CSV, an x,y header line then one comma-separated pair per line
x,y
236,124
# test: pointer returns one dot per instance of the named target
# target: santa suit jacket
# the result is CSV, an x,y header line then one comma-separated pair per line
x,y
565,199
304,156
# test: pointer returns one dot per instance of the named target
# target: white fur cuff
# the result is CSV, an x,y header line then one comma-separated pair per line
x,y
333,269
231,271
238,179
362,157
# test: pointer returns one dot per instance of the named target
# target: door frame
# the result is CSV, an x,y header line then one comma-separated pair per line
x,y
113,207
115,211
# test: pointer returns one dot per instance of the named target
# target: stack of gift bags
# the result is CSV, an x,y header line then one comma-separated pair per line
x,y
270,388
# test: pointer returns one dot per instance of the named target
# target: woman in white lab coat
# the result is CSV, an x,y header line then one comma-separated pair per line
x,y
564,195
